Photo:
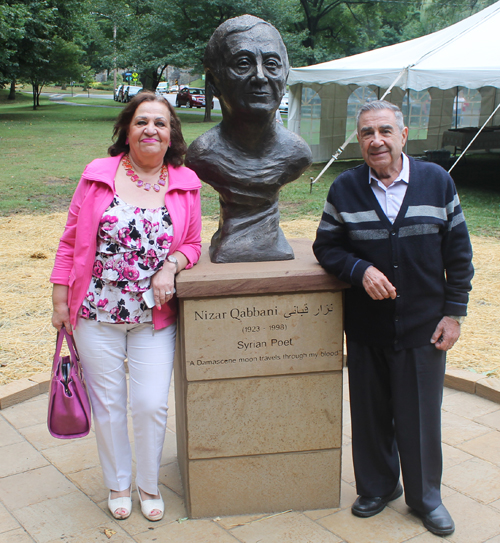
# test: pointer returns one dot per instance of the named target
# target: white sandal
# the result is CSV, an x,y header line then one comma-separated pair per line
x,y
148,506
124,502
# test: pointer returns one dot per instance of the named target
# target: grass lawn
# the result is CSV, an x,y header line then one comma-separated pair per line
x,y
43,153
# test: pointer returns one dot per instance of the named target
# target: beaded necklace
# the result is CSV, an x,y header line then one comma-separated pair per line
x,y
139,182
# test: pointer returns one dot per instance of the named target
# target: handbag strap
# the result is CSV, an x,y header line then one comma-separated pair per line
x,y
70,340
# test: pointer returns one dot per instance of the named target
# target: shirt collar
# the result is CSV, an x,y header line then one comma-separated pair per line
x,y
404,174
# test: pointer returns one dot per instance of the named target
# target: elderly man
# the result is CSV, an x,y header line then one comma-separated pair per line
x,y
393,228
248,157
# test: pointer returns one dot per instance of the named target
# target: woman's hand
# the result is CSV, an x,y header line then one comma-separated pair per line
x,y
60,313
163,282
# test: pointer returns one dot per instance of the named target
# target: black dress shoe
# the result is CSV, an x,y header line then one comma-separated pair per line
x,y
367,507
439,521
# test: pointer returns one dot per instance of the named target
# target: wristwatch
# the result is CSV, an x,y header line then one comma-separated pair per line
x,y
174,260
460,320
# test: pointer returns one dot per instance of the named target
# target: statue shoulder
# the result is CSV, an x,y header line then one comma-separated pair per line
x,y
203,147
206,140
294,145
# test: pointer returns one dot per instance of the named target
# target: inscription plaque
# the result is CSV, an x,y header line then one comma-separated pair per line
x,y
263,335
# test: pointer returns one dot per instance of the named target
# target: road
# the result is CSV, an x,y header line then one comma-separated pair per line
x,y
61,99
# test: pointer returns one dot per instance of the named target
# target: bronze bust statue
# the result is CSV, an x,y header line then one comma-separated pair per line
x,y
248,157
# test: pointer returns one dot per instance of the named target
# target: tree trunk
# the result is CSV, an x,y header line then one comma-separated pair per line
x,y
208,103
12,93
35,94
148,80
37,89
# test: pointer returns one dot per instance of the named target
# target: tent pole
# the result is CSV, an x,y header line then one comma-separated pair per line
x,y
407,119
456,117
472,140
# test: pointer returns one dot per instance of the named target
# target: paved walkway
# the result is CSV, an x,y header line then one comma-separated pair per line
x,y
51,490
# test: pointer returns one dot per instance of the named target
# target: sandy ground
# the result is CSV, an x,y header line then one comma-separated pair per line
x,y
27,338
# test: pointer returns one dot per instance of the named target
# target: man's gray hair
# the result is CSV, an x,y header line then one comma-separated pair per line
x,y
378,105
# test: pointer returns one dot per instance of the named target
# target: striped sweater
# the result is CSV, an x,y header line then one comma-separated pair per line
x,y
426,254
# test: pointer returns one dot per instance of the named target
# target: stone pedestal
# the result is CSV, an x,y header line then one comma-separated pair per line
x,y
258,384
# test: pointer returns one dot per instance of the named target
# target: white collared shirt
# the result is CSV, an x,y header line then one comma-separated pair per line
x,y
391,198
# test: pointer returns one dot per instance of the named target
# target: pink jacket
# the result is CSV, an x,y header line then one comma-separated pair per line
x,y
94,193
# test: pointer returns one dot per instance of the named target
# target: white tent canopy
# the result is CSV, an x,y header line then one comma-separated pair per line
x,y
465,54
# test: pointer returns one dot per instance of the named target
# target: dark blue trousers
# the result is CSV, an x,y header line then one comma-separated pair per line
x,y
396,399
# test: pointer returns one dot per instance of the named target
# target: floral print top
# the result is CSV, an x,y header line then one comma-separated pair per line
x,y
132,244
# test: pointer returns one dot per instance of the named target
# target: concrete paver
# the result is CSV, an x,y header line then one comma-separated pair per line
x,y
16,536
74,455
491,419
289,527
34,486
206,531
52,491
475,478
20,457
65,516
7,521
387,527
486,447
475,523
457,429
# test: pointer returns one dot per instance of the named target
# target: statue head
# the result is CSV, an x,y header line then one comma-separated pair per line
x,y
246,64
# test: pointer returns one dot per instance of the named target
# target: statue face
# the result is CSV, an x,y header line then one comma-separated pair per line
x,y
254,75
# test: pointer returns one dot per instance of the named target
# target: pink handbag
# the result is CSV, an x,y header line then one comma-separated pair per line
x,y
69,406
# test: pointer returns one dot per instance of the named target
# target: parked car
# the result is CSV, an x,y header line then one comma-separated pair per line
x,y
162,88
174,88
283,107
194,97
130,92
118,95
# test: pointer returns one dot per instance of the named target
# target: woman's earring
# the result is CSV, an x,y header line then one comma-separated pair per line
x,y
126,141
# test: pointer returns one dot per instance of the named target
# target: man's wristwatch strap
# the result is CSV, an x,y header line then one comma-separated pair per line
x,y
460,319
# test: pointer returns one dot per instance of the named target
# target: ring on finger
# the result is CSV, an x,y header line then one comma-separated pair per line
x,y
168,293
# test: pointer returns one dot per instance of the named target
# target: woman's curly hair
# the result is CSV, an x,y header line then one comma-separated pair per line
x,y
175,153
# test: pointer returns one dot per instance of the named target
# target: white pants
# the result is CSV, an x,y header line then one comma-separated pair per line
x,y
103,348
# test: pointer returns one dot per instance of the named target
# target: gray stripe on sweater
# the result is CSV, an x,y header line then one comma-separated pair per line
x,y
450,208
329,209
427,211
360,216
458,219
418,230
328,227
368,234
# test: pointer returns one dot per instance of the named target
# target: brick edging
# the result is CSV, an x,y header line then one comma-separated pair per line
x,y
23,389
473,383
464,380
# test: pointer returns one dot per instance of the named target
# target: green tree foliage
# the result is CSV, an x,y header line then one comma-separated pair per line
x,y
12,22
337,28
433,15
38,44
59,40
160,33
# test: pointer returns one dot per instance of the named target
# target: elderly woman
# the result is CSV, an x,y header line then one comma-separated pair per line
x,y
133,224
